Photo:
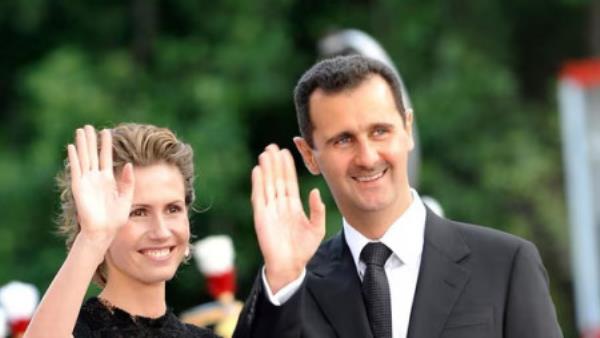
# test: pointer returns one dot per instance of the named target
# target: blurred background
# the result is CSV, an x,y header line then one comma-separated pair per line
x,y
481,75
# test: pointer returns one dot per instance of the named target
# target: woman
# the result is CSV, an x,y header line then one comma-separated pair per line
x,y
128,234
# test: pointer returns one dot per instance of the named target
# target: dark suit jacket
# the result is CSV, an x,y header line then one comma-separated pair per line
x,y
473,282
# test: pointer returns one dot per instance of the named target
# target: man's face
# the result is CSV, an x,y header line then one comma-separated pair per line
x,y
361,147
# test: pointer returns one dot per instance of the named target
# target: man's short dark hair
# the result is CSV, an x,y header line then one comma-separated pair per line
x,y
335,75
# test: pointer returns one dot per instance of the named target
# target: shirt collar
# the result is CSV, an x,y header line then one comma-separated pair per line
x,y
404,237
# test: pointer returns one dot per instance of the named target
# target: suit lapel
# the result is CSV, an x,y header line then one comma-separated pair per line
x,y
441,278
336,288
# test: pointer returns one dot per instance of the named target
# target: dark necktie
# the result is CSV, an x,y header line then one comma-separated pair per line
x,y
376,290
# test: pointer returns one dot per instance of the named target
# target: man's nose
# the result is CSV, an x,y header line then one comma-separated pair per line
x,y
366,154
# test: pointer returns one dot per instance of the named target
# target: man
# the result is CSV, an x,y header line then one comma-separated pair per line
x,y
396,269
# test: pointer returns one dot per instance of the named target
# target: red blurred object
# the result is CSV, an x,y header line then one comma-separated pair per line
x,y
19,325
586,73
221,283
592,333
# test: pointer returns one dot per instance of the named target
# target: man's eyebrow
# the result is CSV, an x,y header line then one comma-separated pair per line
x,y
382,124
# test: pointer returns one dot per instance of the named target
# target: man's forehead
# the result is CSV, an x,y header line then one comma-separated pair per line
x,y
373,90
330,123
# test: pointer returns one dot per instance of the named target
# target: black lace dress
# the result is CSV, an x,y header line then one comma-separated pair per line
x,y
99,320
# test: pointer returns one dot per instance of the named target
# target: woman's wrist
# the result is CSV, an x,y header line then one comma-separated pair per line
x,y
93,248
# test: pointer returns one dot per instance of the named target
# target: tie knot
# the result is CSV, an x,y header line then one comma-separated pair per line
x,y
375,253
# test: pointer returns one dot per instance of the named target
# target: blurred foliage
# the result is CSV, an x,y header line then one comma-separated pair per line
x,y
220,74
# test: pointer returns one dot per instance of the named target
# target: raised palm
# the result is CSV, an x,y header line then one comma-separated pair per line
x,y
102,204
287,237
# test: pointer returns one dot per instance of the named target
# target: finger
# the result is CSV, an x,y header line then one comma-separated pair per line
x,y
317,210
126,183
73,166
92,146
290,176
279,179
106,150
258,198
266,167
82,150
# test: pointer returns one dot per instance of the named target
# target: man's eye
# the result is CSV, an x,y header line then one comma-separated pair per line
x,y
380,131
342,140
174,209
138,213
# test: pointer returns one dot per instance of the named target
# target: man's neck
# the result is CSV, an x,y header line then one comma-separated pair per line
x,y
374,224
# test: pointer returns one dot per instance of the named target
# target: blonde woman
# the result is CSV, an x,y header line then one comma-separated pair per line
x,y
125,201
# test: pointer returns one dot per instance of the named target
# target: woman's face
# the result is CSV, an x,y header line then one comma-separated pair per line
x,y
150,247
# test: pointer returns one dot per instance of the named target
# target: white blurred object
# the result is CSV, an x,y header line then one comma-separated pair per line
x,y
19,301
214,254
579,103
3,324
434,205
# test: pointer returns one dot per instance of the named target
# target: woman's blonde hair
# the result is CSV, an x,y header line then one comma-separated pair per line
x,y
141,145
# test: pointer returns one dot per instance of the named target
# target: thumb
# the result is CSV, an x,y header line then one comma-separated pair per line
x,y
126,182
317,209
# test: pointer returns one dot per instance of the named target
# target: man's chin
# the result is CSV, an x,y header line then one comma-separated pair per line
x,y
371,205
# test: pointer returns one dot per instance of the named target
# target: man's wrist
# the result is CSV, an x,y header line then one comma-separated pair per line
x,y
277,278
285,292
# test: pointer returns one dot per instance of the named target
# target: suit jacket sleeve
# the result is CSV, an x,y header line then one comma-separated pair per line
x,y
529,309
260,318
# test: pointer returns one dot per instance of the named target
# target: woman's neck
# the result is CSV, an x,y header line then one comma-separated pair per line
x,y
139,300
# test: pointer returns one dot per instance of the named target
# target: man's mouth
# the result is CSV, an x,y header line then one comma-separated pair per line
x,y
370,178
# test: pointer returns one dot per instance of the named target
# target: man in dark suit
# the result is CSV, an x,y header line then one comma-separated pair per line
x,y
396,269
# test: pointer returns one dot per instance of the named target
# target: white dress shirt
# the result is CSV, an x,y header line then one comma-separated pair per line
x,y
405,238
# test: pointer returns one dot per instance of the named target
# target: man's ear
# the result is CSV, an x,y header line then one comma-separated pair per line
x,y
307,155
408,124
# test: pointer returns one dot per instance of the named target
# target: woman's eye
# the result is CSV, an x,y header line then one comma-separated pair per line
x,y
137,213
